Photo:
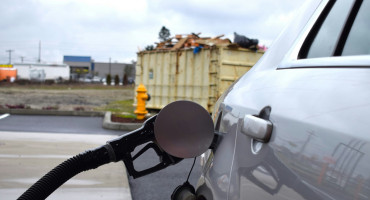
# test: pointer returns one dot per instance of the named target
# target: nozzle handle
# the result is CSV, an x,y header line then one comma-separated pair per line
x,y
124,146
164,158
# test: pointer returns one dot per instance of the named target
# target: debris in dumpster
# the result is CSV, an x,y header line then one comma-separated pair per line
x,y
245,42
195,42
197,49
180,43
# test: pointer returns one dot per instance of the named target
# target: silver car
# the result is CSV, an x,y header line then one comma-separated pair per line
x,y
297,125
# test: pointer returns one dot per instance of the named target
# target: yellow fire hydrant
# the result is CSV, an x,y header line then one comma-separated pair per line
x,y
141,97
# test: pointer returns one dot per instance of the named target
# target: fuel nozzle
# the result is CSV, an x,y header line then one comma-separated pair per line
x,y
182,129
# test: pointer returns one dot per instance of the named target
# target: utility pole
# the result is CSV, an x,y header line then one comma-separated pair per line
x,y
22,57
109,66
39,51
10,55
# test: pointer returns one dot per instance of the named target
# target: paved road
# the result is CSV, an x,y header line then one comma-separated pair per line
x,y
55,124
158,185
161,184
27,156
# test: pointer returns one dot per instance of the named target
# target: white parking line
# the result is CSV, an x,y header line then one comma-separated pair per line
x,y
4,116
35,156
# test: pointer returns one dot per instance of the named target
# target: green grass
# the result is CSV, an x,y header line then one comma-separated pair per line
x,y
117,107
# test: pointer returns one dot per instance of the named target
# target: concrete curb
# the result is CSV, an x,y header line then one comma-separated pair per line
x,y
51,112
108,124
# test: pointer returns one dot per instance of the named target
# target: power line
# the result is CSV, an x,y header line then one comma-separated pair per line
x,y
109,66
39,51
10,55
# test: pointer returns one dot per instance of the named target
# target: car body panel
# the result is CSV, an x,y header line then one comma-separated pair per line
x,y
319,144
218,165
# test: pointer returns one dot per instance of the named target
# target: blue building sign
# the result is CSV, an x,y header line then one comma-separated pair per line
x,y
77,58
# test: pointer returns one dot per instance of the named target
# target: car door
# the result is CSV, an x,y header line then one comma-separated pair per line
x,y
317,100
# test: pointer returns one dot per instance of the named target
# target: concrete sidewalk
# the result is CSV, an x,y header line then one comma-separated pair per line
x,y
26,157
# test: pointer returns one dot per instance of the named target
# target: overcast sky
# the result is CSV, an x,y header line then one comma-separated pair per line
x,y
116,29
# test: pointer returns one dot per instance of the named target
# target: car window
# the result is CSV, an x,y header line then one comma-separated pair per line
x,y
358,41
338,37
328,34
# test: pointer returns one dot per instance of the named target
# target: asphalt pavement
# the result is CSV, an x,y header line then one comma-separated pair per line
x,y
56,124
161,184
158,185
27,156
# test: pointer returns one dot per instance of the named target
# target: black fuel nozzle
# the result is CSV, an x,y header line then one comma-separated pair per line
x,y
192,133
123,147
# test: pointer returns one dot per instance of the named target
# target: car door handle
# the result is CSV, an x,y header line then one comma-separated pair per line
x,y
257,128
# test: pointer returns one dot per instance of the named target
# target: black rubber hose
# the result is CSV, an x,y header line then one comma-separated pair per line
x,y
51,181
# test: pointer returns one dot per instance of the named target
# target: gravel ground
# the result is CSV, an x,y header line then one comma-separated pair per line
x,y
65,98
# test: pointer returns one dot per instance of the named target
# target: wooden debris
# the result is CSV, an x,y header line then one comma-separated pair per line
x,y
193,40
180,43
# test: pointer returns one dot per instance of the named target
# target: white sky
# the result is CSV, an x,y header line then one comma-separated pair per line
x,y
116,29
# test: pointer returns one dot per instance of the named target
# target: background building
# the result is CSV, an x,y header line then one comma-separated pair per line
x,y
123,70
84,67
42,72
80,66
7,73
